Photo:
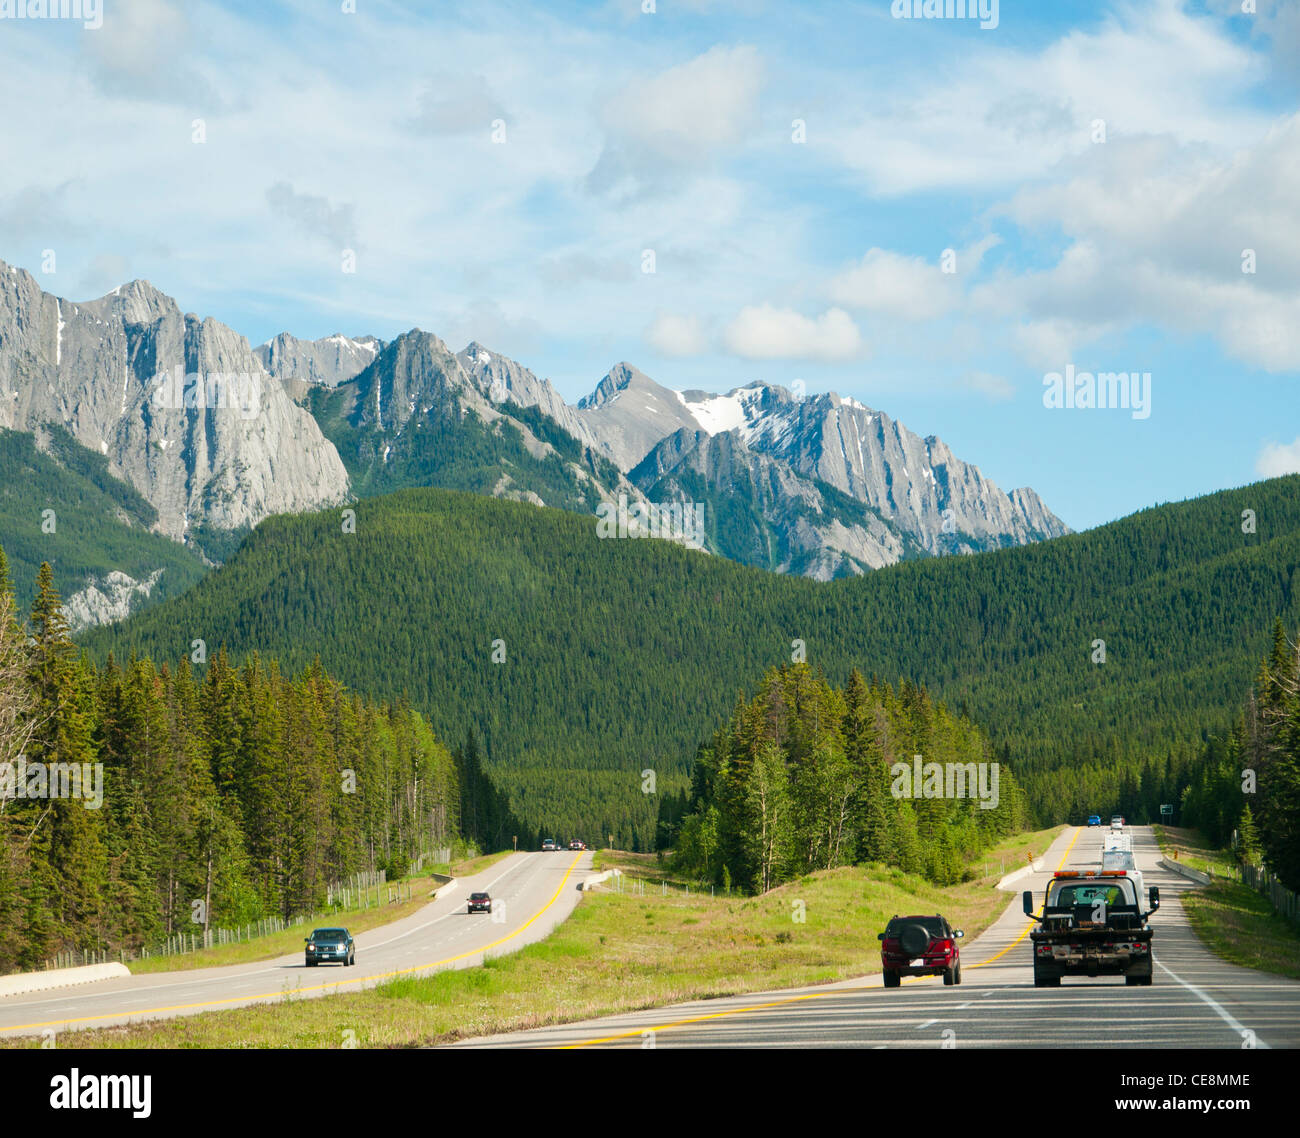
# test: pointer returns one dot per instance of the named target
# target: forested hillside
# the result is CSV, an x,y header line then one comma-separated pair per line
x,y
98,523
237,787
804,777
1247,785
579,663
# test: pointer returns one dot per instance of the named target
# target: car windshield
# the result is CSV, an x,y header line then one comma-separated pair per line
x,y
329,934
478,896
935,926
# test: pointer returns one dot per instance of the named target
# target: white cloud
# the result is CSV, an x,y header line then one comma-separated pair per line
x,y
911,288
993,387
1158,234
1277,459
683,117
672,335
141,52
312,213
488,323
1006,116
908,287
457,104
762,332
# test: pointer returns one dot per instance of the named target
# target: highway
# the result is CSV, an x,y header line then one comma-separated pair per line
x,y
1196,999
533,891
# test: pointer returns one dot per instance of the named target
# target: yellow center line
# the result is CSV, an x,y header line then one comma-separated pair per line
x,y
1025,931
315,988
788,999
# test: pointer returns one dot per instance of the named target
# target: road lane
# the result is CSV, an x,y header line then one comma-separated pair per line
x,y
1196,1000
536,891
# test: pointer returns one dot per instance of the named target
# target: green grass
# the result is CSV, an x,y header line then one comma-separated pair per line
x,y
290,940
617,952
1232,920
357,920
1190,848
1241,926
470,866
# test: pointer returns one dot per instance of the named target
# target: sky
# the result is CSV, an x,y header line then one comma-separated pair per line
x,y
934,216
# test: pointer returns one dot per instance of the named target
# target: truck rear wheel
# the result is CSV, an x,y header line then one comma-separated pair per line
x,y
892,979
1047,981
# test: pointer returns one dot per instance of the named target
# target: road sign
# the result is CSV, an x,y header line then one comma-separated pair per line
x,y
1166,809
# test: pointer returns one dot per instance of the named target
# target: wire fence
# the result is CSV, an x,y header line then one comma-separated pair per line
x,y
366,890
1262,881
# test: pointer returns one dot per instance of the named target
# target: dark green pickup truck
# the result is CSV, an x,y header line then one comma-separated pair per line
x,y
1092,924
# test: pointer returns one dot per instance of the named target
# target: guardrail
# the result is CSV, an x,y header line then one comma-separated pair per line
x,y
1185,871
1255,877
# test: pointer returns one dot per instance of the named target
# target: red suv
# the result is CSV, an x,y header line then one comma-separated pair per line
x,y
919,946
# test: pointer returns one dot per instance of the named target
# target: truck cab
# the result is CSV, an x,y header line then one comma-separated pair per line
x,y
1092,924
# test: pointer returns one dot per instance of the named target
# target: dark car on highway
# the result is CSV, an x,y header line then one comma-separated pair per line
x,y
480,903
330,946
920,946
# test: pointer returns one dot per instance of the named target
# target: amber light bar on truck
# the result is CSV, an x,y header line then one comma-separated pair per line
x,y
1091,873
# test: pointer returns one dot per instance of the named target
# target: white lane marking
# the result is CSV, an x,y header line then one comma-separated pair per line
x,y
454,913
282,963
927,1023
988,993
1215,1005
965,1005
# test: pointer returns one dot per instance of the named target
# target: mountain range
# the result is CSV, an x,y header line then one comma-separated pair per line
x,y
216,435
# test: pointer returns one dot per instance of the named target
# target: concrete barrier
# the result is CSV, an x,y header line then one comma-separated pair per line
x,y
1186,871
592,882
24,982
447,888
1023,871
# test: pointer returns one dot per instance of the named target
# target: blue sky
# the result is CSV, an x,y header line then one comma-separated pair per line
x,y
500,170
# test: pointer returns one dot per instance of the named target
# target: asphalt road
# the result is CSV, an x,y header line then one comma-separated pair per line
x,y
533,893
1196,1000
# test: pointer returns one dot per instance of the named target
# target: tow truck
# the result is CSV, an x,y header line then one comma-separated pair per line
x,y
1092,924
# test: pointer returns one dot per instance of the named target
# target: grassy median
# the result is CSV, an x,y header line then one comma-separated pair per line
x,y
617,952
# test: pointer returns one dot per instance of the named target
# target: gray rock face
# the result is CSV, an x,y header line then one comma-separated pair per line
x,y
326,362
919,485
180,406
762,512
416,383
502,380
629,412
414,376
105,600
